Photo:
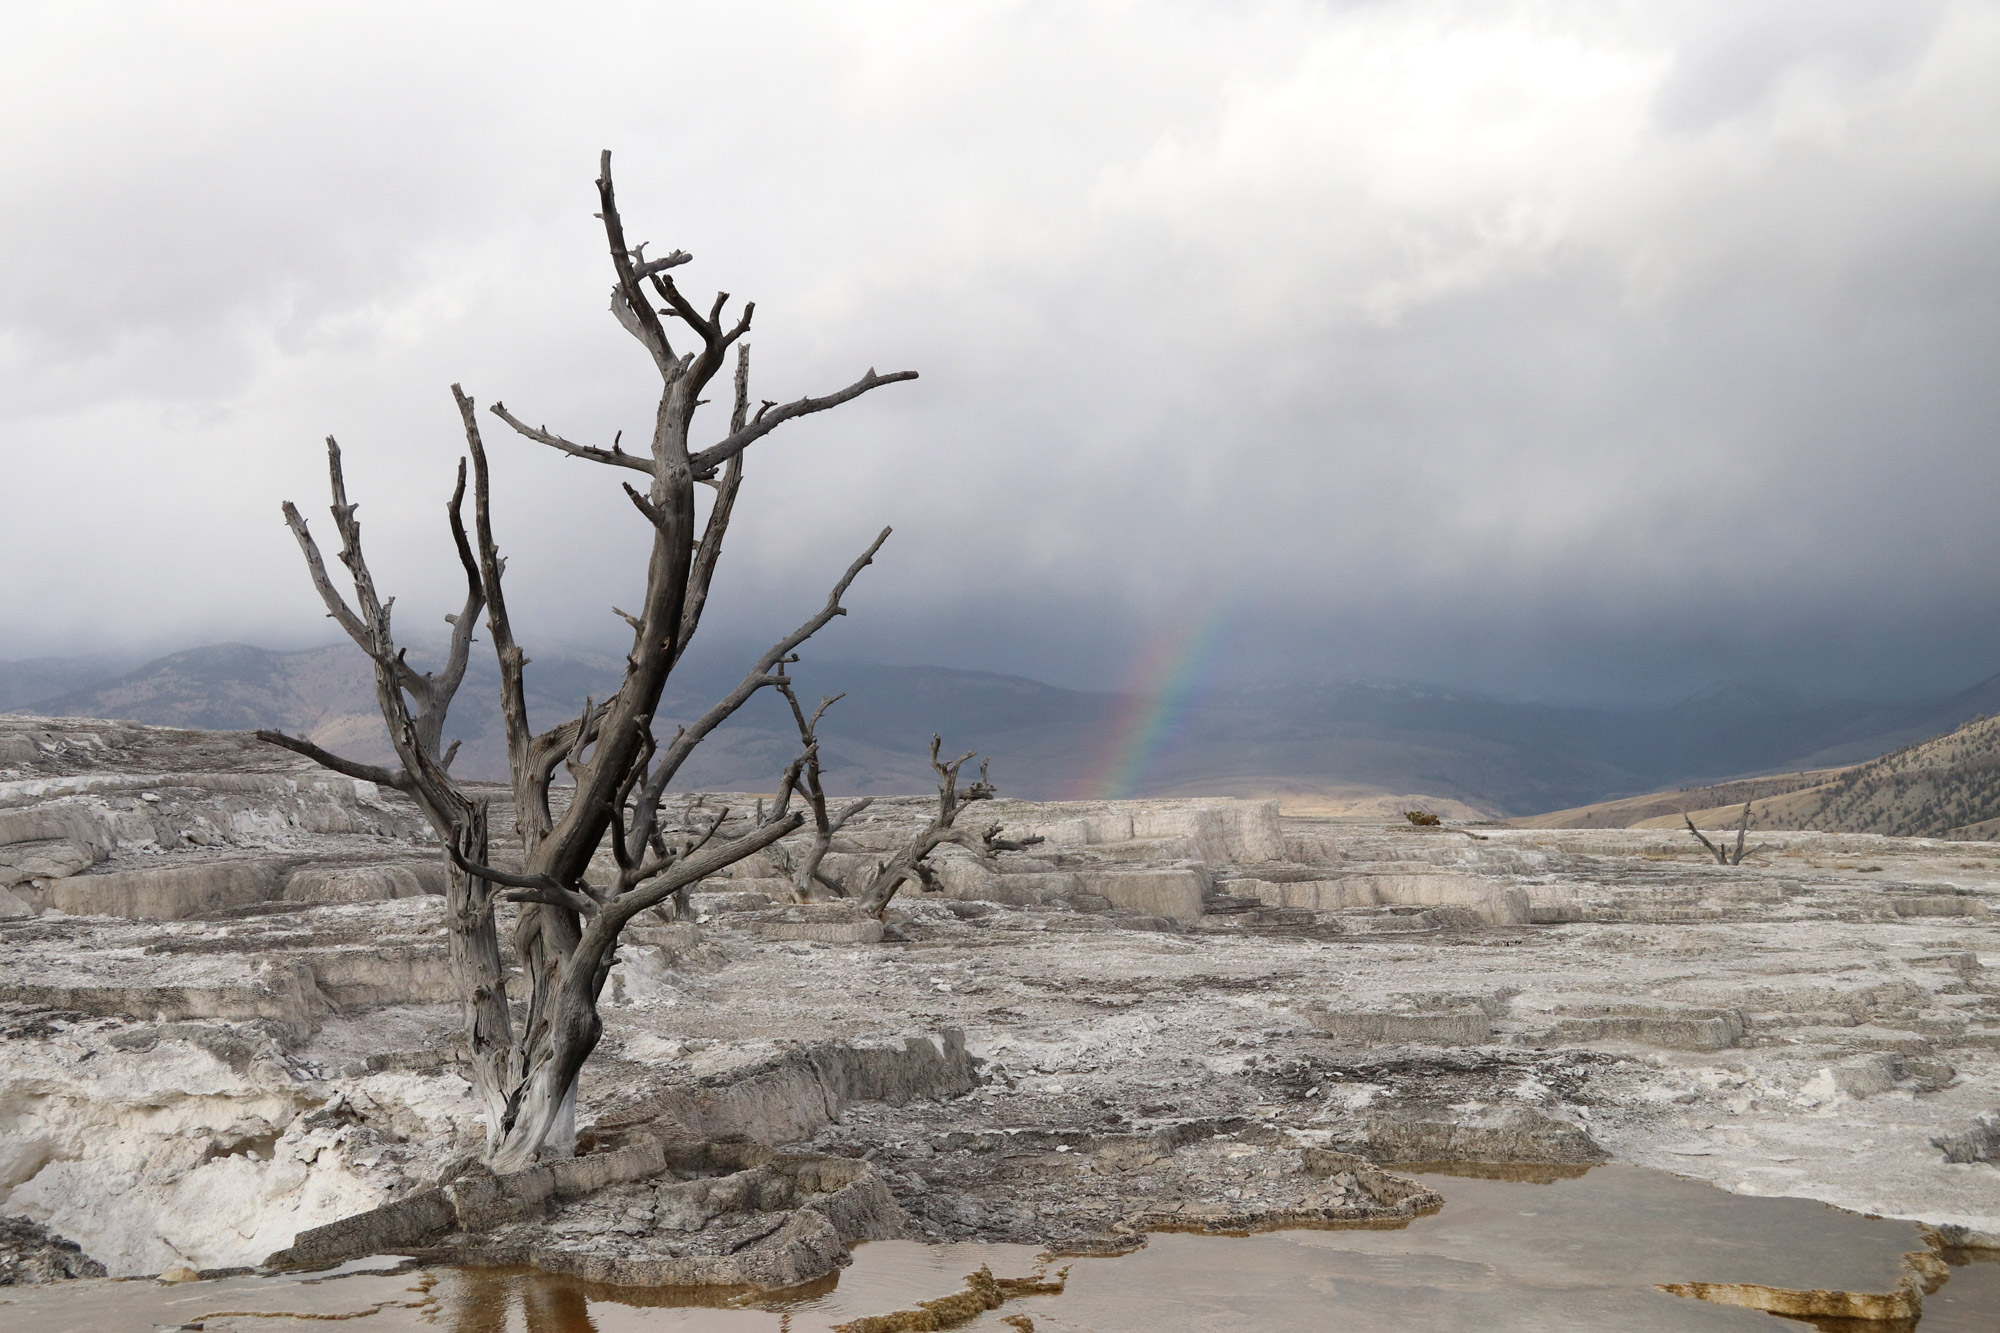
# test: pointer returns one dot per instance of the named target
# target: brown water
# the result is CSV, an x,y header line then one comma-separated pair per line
x,y
1578,1253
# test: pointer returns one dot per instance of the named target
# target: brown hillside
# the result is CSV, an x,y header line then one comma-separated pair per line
x,y
1943,788
1946,787
1646,811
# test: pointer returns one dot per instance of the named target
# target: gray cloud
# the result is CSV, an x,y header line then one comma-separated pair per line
x,y
1597,350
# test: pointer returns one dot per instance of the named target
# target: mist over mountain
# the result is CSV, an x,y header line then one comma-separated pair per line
x,y
23,682
1315,746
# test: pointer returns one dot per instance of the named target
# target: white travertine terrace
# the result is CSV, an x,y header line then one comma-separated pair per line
x,y
227,1017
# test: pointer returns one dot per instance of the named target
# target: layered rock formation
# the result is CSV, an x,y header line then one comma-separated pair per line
x,y
239,1028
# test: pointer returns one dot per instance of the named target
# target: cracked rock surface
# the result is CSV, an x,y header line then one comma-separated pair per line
x,y
1167,1001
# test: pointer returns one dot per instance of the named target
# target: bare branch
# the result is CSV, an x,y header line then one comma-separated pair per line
x,y
756,679
653,266
664,858
681,307
738,440
434,699
375,773
614,456
1713,850
545,888
742,325
702,571
563,744
529,808
584,733
689,870
336,605
648,508
787,784
629,301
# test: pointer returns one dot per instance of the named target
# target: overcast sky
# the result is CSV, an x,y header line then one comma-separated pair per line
x,y
1585,351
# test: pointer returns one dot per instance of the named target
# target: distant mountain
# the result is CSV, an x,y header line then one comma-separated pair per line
x,y
1335,747
326,694
877,737
226,687
23,682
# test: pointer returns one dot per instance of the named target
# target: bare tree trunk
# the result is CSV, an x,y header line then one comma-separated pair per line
x,y
479,976
806,873
544,1118
568,928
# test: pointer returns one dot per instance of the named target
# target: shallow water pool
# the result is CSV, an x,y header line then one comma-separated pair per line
x,y
1581,1252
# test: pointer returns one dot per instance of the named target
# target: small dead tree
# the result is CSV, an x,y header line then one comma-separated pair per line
x,y
568,926
912,861
1725,856
805,869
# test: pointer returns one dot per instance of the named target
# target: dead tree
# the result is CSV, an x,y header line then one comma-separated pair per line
x,y
912,861
1726,856
806,871
568,926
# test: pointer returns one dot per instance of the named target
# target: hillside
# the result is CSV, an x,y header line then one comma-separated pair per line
x,y
1948,787
1663,809
1945,787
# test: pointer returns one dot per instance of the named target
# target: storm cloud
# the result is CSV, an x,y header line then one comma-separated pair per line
x,y
1586,351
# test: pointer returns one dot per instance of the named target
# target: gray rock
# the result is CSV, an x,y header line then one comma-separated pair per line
x,y
1977,1142
1663,1026
31,1253
1470,1026
166,893
1514,1134
360,884
1867,1076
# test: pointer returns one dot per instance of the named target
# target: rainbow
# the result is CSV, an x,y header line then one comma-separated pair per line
x,y
1165,678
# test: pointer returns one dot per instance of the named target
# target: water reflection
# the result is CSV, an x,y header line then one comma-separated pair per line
x,y
482,1300
1556,1251
1520,1173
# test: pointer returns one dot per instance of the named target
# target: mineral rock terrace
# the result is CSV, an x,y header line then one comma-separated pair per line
x,y
228,1028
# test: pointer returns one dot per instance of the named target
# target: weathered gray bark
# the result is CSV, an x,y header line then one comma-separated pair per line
x,y
567,931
